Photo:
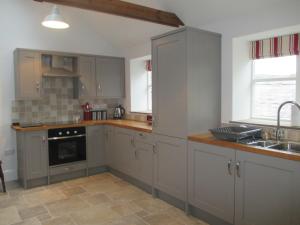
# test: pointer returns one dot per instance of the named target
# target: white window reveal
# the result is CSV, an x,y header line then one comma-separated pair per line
x,y
141,85
273,82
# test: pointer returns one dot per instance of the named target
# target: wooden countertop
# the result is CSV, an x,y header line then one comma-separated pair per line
x,y
130,124
209,139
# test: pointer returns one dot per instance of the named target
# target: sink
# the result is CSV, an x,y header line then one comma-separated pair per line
x,y
286,146
263,144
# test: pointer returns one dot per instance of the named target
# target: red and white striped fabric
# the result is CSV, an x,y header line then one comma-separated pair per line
x,y
275,47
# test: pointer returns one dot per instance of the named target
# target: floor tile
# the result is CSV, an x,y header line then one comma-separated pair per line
x,y
32,212
63,220
9,216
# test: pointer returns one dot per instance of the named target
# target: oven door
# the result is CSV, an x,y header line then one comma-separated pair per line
x,y
66,149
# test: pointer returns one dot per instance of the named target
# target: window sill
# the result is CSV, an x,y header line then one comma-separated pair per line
x,y
269,123
144,113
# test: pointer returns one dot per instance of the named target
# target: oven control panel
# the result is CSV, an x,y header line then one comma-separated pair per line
x,y
65,132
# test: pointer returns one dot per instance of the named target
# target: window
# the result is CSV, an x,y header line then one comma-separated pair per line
x,y
273,82
141,85
149,91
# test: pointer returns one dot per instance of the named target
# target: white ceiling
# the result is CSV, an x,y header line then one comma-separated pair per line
x,y
123,32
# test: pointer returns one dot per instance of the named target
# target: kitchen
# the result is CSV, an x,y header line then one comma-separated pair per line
x,y
92,140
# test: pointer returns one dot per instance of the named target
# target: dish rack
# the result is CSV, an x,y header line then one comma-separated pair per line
x,y
235,133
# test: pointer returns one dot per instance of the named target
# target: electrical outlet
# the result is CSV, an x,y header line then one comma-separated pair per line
x,y
9,152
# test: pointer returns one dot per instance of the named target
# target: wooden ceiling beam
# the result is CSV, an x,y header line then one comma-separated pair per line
x,y
122,8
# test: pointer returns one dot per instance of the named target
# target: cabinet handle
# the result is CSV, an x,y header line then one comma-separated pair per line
x,y
229,167
44,139
132,142
154,149
238,169
37,86
135,154
99,86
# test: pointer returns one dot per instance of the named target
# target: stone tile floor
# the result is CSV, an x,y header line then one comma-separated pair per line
x,y
96,200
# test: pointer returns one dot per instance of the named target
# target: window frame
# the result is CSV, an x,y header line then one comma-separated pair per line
x,y
256,80
149,73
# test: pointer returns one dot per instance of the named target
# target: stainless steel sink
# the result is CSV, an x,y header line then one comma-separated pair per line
x,y
263,144
286,146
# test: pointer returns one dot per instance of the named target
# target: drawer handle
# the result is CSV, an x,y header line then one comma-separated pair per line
x,y
229,167
238,169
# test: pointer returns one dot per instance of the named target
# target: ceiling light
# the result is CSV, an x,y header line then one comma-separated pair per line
x,y
55,20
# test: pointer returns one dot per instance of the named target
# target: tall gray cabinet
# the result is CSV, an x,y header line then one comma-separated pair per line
x,y
186,100
186,82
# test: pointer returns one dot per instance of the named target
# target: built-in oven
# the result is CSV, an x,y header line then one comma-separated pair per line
x,y
66,145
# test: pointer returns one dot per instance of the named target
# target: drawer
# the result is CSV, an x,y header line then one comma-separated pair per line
x,y
68,168
144,137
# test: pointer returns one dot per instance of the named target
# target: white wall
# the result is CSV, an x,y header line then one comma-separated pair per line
x,y
20,22
275,18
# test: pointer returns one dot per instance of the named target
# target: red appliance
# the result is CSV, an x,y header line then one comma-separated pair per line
x,y
87,113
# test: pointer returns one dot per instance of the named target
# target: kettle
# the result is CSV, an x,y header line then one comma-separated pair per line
x,y
119,112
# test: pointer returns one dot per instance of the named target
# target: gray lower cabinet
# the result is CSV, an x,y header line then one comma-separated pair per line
x,y
32,150
123,151
87,80
110,77
95,146
170,166
267,190
143,152
211,179
109,144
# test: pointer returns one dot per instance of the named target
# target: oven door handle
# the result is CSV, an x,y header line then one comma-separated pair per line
x,y
68,137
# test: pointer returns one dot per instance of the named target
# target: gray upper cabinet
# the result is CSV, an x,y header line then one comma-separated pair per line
x,y
211,179
87,72
95,146
27,74
267,190
170,162
186,77
110,77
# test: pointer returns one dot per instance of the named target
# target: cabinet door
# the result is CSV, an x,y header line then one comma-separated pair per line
x,y
110,77
169,85
109,145
170,162
267,190
95,146
36,154
124,151
211,179
87,81
143,162
27,74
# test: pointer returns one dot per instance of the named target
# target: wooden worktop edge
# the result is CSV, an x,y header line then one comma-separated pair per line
x,y
208,139
129,124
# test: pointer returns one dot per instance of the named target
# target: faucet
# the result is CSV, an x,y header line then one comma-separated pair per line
x,y
278,115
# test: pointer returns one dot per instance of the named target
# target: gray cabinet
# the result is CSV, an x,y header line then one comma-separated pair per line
x,y
110,77
211,179
187,76
267,190
32,150
123,151
170,166
143,164
109,144
27,74
95,146
87,81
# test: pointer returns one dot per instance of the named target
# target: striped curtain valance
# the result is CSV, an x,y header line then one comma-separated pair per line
x,y
275,47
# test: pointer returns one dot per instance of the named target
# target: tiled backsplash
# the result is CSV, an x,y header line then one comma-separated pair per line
x,y
57,103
